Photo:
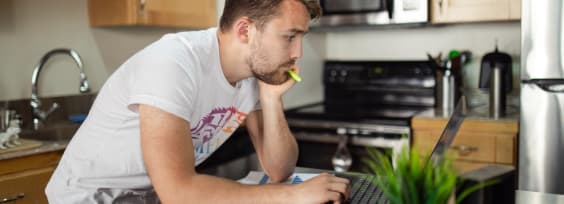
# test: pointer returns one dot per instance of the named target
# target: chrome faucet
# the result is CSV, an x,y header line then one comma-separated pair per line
x,y
37,114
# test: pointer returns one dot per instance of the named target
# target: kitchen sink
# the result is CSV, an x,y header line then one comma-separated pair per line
x,y
53,132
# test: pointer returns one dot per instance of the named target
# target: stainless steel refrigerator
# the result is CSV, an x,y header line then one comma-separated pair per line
x,y
541,139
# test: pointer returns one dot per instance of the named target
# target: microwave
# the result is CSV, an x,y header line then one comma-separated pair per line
x,y
372,12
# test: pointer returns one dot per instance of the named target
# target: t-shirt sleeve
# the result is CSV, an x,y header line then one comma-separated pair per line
x,y
164,77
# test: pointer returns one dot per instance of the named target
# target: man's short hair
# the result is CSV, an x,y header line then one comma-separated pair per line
x,y
260,11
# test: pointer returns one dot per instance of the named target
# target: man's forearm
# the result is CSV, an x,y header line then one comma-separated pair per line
x,y
200,188
280,149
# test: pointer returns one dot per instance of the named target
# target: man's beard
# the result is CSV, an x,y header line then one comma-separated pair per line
x,y
258,60
274,77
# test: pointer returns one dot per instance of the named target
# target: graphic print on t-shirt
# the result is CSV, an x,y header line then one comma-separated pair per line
x,y
213,129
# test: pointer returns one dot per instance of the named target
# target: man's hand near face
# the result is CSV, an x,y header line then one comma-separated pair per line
x,y
269,91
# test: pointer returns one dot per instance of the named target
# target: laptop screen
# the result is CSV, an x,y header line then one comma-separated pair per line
x,y
452,126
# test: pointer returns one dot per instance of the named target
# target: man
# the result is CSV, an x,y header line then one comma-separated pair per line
x,y
167,108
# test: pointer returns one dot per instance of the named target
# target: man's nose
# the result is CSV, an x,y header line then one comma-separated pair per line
x,y
296,51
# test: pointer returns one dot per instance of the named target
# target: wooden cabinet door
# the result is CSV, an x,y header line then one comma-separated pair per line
x,y
113,12
453,11
166,13
477,143
29,185
514,9
466,146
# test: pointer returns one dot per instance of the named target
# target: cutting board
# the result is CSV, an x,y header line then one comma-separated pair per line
x,y
25,144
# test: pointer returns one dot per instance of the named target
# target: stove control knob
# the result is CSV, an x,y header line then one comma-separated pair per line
x,y
343,76
333,73
341,131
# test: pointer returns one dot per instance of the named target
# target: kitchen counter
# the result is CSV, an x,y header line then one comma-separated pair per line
x,y
476,113
54,137
46,146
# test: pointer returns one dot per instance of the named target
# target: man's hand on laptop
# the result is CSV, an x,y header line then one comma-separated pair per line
x,y
322,189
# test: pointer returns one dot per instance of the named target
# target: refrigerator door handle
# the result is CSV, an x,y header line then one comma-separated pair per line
x,y
549,85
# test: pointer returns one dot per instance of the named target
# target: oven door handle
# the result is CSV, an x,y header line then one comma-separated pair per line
x,y
353,140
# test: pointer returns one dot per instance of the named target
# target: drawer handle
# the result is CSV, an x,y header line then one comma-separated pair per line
x,y
464,150
13,198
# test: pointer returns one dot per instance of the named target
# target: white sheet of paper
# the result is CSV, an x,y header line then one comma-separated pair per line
x,y
259,177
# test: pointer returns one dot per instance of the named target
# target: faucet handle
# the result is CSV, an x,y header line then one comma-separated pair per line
x,y
39,115
44,114
54,107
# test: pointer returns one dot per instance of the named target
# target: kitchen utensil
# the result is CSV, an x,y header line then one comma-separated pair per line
x,y
449,78
449,84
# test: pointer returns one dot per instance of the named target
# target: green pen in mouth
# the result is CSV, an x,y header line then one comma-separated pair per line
x,y
294,75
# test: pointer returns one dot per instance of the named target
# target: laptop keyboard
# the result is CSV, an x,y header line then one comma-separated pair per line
x,y
363,189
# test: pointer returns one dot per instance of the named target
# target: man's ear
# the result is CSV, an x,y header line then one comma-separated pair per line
x,y
242,28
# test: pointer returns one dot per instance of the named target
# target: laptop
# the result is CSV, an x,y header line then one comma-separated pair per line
x,y
363,187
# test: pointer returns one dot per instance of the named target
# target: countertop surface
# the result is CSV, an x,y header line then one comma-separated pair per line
x,y
46,146
54,137
477,113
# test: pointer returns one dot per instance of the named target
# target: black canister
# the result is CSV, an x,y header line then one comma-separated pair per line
x,y
496,79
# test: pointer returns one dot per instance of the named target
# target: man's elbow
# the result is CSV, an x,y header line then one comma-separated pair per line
x,y
279,176
278,179
178,190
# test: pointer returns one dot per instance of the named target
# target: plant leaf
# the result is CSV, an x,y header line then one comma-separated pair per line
x,y
466,192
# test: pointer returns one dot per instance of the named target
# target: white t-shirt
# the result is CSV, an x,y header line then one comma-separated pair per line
x,y
180,74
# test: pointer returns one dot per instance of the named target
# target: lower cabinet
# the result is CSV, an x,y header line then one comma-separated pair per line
x,y
23,179
477,143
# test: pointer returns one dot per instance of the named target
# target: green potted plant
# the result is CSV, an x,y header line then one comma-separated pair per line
x,y
415,181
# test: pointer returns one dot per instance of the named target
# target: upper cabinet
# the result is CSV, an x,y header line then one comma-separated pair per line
x,y
457,11
165,13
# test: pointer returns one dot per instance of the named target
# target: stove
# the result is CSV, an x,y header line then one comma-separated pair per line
x,y
371,103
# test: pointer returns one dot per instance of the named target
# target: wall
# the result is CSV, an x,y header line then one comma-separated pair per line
x,y
30,28
415,43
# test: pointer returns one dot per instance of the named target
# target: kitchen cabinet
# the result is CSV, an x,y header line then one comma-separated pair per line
x,y
458,11
479,142
24,178
165,13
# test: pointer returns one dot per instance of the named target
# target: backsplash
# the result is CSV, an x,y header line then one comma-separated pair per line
x,y
68,105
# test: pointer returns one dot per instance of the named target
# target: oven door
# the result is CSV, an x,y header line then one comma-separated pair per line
x,y
318,145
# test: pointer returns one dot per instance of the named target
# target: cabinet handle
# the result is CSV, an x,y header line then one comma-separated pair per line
x,y
464,150
142,12
142,4
13,198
